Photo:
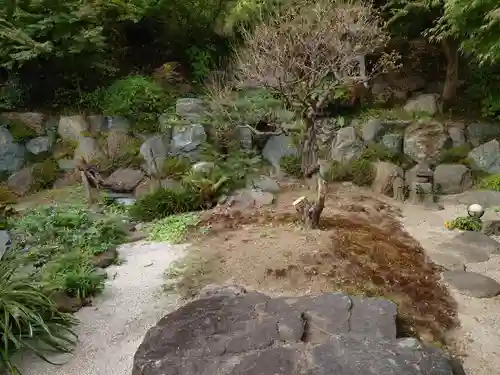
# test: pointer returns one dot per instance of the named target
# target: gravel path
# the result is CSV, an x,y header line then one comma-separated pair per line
x,y
112,329
479,336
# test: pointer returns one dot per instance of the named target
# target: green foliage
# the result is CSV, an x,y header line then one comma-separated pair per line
x,y
360,171
49,232
477,25
292,165
456,155
19,130
29,320
73,274
165,202
45,174
491,182
465,223
137,98
172,229
7,196
483,89
175,167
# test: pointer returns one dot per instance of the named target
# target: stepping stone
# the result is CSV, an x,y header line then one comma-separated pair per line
x,y
472,284
473,246
449,261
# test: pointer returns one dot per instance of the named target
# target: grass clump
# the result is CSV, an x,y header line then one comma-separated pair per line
x,y
360,171
469,223
175,168
173,229
29,319
291,164
7,196
456,155
491,182
45,174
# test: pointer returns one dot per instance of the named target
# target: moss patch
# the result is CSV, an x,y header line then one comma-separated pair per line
x,y
20,131
45,174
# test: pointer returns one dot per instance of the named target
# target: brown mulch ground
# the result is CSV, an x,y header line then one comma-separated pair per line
x,y
361,249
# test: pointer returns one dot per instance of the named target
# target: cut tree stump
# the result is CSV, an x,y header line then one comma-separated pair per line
x,y
310,213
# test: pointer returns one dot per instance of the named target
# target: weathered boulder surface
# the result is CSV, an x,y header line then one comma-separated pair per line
x,y
247,333
425,141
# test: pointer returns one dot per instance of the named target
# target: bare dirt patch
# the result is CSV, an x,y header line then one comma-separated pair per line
x,y
360,249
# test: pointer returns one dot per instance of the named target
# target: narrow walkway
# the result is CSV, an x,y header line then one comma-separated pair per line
x,y
112,329
479,336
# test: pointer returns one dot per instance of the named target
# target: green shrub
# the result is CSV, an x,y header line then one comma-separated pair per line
x,y
137,98
29,320
338,172
378,152
165,202
74,275
7,196
45,174
456,155
491,182
465,223
362,172
20,131
175,167
292,165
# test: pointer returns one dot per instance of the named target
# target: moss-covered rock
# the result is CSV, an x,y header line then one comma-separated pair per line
x,y
21,132
45,174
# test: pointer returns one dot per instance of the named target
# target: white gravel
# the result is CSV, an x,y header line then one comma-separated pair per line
x,y
112,329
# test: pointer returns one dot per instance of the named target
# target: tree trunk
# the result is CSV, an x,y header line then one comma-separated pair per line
x,y
450,50
311,213
308,147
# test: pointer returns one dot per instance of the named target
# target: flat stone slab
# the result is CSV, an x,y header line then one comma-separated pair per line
x,y
449,261
472,284
472,246
486,198
235,332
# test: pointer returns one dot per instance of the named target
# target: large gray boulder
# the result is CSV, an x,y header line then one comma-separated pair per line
x,y
39,145
423,104
277,147
486,157
71,128
154,151
5,136
425,141
89,150
238,333
347,145
482,132
190,108
452,178
187,139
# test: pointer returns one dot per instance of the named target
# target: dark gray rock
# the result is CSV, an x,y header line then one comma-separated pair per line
x,y
486,157
115,123
190,108
481,132
472,284
98,124
457,135
11,157
393,142
277,147
346,145
186,139
264,183
370,130
232,332
5,136
124,179
5,241
452,178
423,104
491,227
39,145
154,151
245,136
20,182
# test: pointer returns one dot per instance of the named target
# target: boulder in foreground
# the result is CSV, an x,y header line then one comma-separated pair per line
x,y
247,333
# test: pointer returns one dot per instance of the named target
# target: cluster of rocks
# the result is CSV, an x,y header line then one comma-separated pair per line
x,y
231,331
98,137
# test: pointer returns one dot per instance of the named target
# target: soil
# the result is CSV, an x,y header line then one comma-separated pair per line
x,y
361,249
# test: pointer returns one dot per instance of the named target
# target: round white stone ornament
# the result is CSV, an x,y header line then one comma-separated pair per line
x,y
475,210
